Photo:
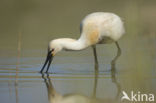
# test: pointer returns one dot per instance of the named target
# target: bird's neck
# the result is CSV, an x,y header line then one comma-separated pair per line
x,y
72,44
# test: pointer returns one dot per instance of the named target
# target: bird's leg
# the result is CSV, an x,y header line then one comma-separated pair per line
x,y
96,70
119,50
95,57
118,54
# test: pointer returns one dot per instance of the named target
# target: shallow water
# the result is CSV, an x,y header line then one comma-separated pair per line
x,y
74,77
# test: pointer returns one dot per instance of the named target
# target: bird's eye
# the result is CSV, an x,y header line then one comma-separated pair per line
x,y
52,49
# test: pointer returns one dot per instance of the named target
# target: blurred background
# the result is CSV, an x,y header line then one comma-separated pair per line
x,y
26,27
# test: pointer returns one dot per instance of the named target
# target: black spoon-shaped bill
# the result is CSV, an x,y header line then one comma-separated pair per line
x,y
48,59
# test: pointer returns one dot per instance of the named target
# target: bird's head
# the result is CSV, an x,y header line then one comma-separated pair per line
x,y
53,48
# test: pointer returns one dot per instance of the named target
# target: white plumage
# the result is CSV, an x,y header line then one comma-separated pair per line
x,y
105,24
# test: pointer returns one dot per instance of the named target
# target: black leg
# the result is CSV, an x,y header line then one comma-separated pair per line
x,y
118,53
119,50
95,55
96,67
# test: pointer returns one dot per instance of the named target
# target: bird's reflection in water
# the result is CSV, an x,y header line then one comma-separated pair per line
x,y
55,97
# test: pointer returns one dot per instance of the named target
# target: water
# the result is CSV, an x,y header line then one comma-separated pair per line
x,y
28,26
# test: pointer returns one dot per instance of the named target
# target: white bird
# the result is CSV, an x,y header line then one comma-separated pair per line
x,y
95,28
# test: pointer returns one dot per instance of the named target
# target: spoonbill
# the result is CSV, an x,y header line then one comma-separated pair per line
x,y
95,28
